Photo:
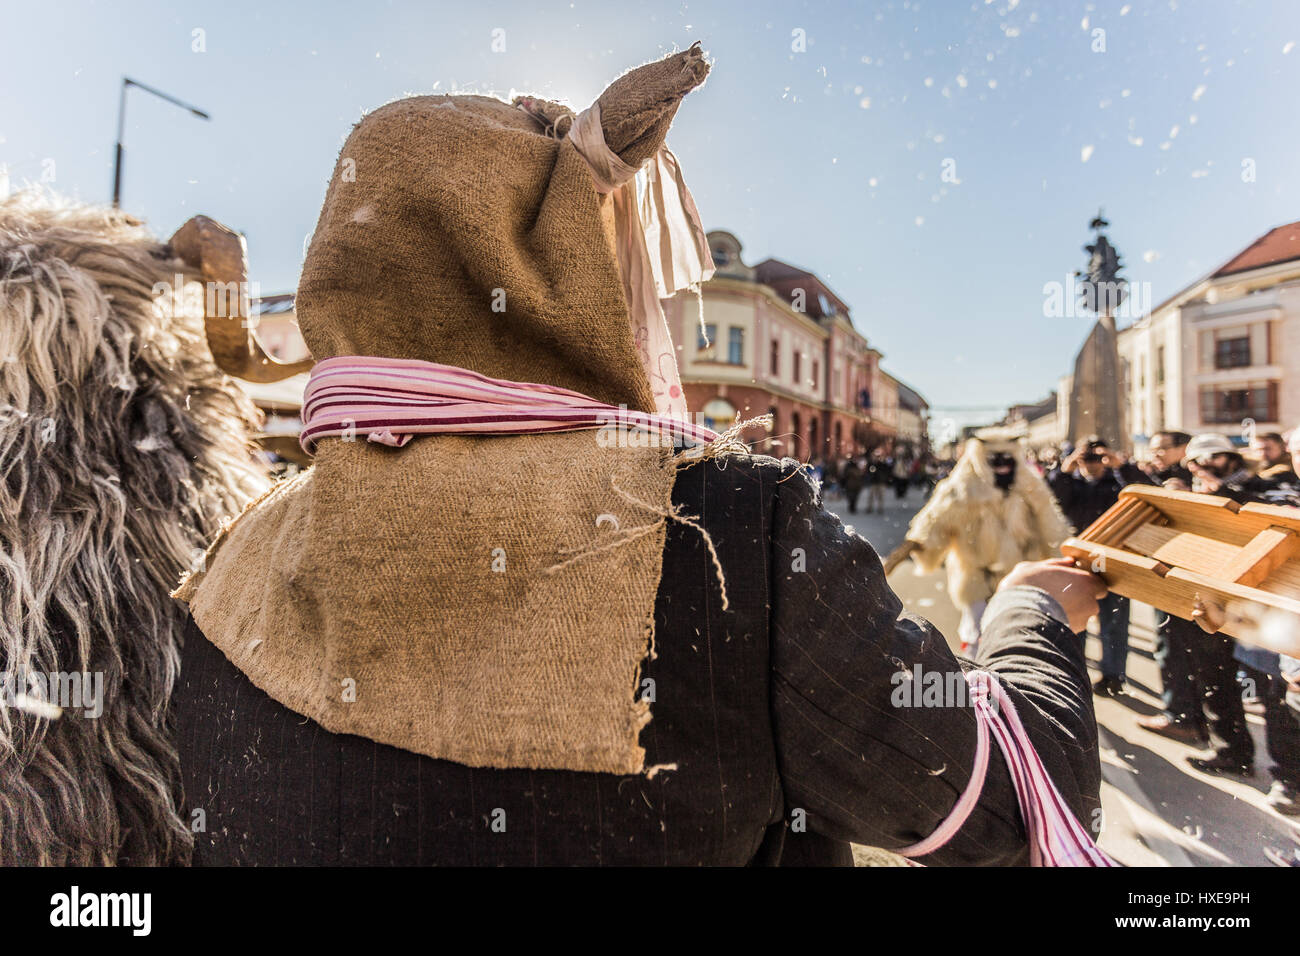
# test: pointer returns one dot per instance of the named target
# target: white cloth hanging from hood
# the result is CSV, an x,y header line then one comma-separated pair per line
x,y
662,248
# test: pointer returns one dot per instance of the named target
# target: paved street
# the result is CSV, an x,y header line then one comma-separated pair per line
x,y
1158,811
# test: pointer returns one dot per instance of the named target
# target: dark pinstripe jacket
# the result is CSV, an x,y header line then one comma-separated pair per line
x,y
781,716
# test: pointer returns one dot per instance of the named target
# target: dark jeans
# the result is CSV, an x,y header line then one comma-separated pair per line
x,y
1112,621
1180,697
1216,673
1281,725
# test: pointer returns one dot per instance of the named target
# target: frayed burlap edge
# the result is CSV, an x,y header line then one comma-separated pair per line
x,y
188,586
233,608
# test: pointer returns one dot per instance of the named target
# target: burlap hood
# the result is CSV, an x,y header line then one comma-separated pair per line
x,y
487,600
465,230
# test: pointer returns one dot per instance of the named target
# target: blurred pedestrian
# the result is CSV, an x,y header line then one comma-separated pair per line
x,y
1181,717
933,472
902,475
1274,458
879,473
851,477
1218,468
1264,674
1087,483
1168,449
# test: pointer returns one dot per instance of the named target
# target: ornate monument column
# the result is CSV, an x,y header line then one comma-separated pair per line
x,y
1096,406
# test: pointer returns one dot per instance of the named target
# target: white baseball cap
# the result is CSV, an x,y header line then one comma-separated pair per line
x,y
1204,447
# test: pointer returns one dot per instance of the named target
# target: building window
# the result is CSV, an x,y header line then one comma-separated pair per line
x,y
1232,353
736,345
1160,365
817,374
706,340
798,366
719,414
776,357
1224,406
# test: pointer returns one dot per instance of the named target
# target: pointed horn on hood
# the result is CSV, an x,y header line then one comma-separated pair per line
x,y
220,256
638,108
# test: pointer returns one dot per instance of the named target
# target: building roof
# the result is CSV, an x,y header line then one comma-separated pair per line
x,y
1033,411
910,398
272,304
1275,246
782,276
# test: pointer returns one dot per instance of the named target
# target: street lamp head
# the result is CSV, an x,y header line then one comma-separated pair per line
x,y
127,82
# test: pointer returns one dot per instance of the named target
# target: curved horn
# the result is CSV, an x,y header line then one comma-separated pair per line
x,y
637,108
220,256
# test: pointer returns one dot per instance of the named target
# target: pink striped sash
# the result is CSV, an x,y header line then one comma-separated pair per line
x,y
390,400
1056,838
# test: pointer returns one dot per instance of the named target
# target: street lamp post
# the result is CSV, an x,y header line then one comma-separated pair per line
x,y
121,128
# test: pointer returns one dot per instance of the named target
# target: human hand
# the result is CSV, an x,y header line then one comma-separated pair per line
x,y
1209,481
1076,590
1209,615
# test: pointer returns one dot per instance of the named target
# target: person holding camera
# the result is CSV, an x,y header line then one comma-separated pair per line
x,y
1087,482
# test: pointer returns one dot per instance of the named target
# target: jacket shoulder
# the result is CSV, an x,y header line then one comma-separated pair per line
x,y
750,474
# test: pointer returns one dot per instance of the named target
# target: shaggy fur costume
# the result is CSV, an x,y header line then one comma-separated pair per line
x,y
979,532
122,450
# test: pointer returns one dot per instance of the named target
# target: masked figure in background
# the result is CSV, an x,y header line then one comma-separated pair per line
x,y
123,447
992,512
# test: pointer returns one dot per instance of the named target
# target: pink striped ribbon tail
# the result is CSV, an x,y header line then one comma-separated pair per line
x,y
1056,838
391,400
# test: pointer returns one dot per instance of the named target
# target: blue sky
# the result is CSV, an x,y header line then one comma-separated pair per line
x,y
831,157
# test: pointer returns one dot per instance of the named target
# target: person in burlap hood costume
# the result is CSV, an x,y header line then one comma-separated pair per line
x,y
518,644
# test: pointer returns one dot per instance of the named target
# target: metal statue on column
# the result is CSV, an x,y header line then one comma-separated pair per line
x,y
1096,405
